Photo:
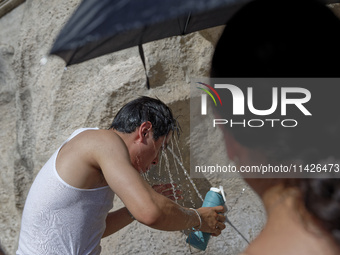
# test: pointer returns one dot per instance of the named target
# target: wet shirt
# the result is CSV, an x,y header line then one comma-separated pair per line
x,y
61,219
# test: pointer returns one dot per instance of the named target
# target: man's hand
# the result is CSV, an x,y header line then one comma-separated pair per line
x,y
168,190
212,219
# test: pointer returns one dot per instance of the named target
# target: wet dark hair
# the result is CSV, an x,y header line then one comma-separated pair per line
x,y
143,109
291,38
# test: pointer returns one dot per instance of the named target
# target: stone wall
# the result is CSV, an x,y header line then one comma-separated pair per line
x,y
41,104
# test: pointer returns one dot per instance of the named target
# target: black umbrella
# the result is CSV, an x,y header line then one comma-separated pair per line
x,y
100,27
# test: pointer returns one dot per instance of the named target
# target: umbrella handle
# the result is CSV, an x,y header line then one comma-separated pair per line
x,y
141,54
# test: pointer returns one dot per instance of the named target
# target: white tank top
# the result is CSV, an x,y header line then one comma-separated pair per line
x,y
61,219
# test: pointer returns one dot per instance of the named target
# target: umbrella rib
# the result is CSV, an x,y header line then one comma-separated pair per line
x,y
186,24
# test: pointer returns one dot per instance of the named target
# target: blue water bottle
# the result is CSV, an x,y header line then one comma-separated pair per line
x,y
214,197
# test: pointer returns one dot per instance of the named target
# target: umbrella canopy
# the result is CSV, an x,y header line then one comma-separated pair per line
x,y
101,27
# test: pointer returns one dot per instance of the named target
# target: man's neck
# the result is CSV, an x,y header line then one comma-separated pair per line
x,y
290,229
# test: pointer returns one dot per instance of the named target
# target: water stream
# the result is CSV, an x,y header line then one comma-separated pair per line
x,y
186,174
180,163
166,174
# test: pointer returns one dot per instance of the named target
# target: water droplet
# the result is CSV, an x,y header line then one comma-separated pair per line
x,y
43,61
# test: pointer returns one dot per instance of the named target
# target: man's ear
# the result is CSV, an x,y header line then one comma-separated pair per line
x,y
233,147
144,130
231,144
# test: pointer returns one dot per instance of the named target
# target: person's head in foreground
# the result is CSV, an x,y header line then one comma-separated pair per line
x,y
288,38
148,116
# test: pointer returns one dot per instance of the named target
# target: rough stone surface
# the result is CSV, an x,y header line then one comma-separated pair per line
x,y
42,104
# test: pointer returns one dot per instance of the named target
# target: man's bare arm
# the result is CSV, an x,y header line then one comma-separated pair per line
x,y
146,205
117,220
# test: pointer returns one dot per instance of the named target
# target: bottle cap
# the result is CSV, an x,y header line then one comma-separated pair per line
x,y
220,191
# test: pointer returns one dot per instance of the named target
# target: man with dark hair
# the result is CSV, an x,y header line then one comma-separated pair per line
x,y
67,208
134,113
